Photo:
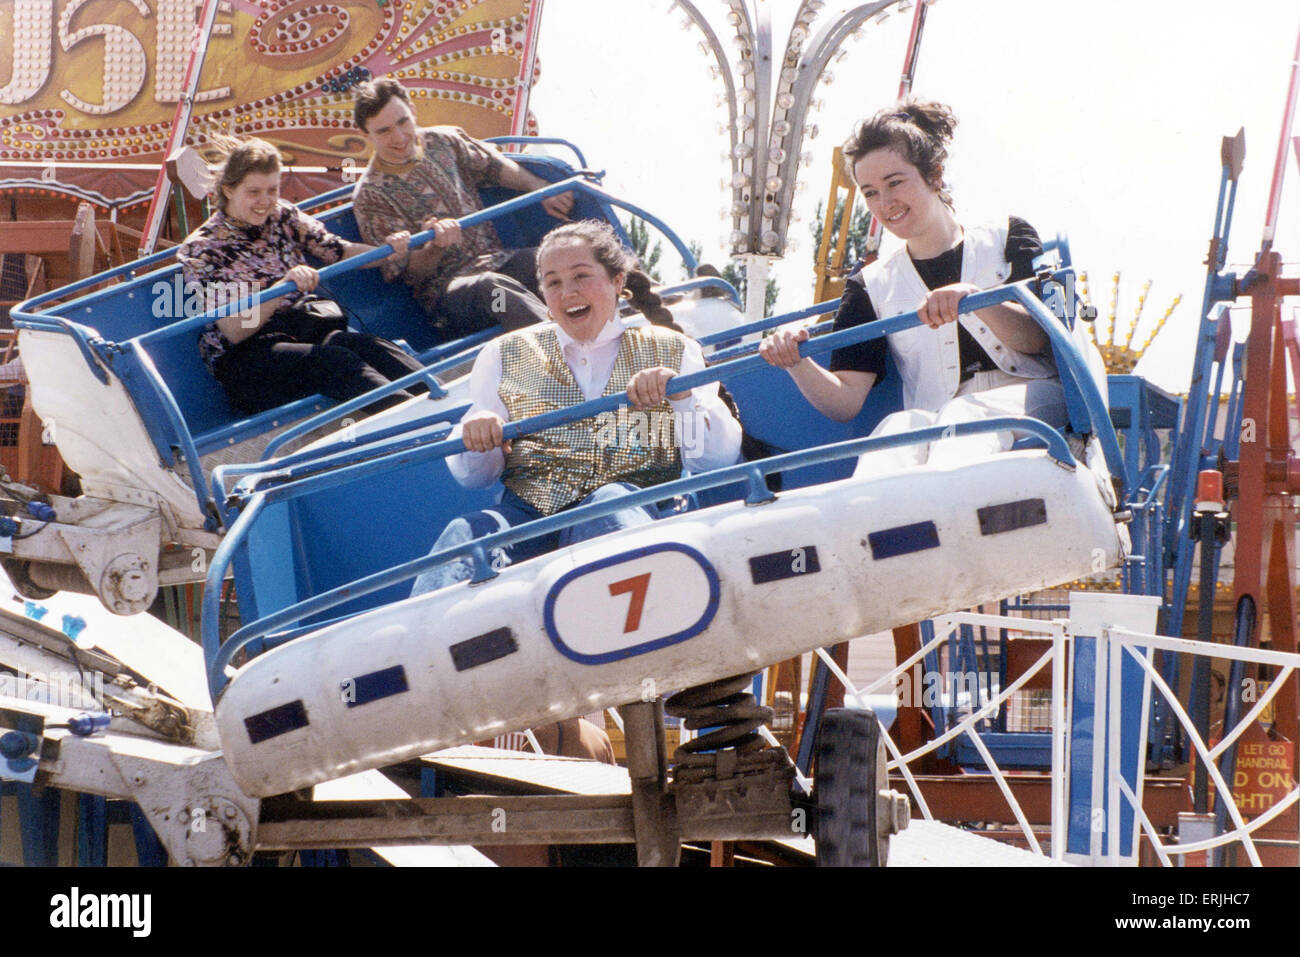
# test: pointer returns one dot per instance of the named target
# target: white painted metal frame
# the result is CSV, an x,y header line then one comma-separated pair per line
x,y
945,628
1122,641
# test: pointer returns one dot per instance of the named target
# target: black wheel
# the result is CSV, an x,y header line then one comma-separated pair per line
x,y
848,775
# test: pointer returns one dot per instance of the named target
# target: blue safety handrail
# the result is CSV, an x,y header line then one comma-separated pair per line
x,y
220,655
771,322
405,434
472,345
539,141
1099,420
25,317
702,282
324,199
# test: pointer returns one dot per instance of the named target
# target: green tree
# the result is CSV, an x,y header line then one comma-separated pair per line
x,y
638,231
859,225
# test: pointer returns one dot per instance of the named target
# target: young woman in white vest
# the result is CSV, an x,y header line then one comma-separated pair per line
x,y
586,351
984,364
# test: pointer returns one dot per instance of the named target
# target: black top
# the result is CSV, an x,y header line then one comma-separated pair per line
x,y
1023,245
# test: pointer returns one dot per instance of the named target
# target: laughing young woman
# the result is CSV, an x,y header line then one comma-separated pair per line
x,y
992,362
585,352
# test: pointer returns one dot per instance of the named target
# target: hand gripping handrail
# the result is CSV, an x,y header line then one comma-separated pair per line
x,y
220,655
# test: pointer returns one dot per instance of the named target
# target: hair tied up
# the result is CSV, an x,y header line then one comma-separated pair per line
x,y
644,299
922,137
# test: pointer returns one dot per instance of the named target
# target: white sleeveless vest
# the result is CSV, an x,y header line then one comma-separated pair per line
x,y
928,359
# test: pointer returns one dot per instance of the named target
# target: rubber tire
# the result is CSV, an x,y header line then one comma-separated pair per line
x,y
849,772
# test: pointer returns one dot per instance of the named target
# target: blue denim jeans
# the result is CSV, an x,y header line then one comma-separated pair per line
x,y
515,511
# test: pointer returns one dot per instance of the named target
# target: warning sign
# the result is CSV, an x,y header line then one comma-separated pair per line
x,y
1265,772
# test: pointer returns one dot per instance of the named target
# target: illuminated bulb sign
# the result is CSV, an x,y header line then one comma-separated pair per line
x,y
99,80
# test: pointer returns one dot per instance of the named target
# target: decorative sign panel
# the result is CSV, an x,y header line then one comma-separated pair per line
x,y
99,80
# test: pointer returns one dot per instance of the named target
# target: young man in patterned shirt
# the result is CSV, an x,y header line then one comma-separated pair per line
x,y
420,179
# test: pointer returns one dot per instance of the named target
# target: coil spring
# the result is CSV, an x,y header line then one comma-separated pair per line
x,y
730,708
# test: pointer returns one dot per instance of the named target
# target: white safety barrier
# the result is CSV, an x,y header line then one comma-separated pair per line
x,y
945,628
1122,641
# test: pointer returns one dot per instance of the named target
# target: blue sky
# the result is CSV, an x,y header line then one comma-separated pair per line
x,y
1097,118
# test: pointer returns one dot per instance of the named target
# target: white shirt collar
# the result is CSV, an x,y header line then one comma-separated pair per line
x,y
609,333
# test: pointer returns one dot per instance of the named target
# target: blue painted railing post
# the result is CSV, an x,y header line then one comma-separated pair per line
x,y
1092,823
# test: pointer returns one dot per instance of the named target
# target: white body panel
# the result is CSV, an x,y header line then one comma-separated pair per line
x,y
99,433
863,556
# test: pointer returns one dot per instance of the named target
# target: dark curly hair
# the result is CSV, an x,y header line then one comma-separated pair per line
x,y
920,130
373,96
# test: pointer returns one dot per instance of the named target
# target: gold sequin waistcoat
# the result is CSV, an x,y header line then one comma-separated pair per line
x,y
560,466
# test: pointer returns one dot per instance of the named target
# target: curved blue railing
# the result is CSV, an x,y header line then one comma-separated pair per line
x,y
172,410
342,452
539,141
220,655
325,199
703,282
25,318
83,338
771,322
308,478
751,348
426,375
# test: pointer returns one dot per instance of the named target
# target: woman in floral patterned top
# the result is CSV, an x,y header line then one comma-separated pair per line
x,y
262,358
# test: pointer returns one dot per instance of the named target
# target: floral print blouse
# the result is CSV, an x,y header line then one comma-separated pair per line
x,y
224,251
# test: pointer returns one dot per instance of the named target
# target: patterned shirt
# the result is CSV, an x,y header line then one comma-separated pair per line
x,y
225,251
443,182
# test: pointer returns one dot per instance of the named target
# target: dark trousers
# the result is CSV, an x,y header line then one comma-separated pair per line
x,y
271,369
509,297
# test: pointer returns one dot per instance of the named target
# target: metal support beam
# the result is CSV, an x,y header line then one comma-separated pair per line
x,y
658,840
291,824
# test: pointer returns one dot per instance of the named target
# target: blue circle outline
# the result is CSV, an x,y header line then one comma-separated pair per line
x,y
548,612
